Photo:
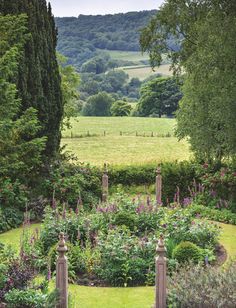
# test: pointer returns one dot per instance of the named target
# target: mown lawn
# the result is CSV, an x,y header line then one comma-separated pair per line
x,y
127,148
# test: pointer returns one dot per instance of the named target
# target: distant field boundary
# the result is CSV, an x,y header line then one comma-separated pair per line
x,y
121,133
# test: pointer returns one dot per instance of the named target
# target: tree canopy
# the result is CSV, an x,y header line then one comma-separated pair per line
x,y
205,31
38,79
159,96
20,148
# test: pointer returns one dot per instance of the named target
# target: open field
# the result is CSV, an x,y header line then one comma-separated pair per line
x,y
135,56
143,72
128,148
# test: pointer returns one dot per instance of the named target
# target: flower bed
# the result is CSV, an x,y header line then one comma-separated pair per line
x,y
114,244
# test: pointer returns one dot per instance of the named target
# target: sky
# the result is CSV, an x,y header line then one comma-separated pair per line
x,y
94,7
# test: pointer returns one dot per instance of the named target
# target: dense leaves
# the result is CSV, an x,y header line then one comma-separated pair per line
x,y
38,80
207,110
160,96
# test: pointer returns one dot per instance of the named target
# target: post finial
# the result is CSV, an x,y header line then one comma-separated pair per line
x,y
161,250
158,170
105,168
62,248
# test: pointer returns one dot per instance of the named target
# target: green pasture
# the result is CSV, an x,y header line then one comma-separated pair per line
x,y
91,144
135,56
114,125
143,72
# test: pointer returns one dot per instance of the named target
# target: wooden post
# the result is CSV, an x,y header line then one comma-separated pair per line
x,y
105,184
62,273
158,187
160,301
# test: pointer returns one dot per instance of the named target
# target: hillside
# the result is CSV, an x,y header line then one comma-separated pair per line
x,y
85,37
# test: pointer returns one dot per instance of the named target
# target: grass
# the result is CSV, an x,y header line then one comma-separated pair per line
x,y
90,297
13,236
143,72
128,148
140,297
228,239
135,56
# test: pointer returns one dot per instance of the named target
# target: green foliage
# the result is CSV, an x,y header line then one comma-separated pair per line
x,y
125,219
159,96
120,109
98,105
20,148
174,175
115,242
69,183
187,251
207,112
224,215
37,77
25,299
195,286
10,217
70,81
81,38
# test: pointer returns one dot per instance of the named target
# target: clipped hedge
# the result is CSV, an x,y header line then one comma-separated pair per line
x,y
174,174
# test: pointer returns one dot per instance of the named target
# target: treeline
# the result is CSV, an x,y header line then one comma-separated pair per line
x,y
82,38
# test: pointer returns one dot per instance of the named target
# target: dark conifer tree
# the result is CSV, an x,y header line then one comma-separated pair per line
x,y
38,79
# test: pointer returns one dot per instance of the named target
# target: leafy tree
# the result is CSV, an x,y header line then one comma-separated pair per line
x,y
159,96
20,149
38,79
98,105
206,34
120,109
70,81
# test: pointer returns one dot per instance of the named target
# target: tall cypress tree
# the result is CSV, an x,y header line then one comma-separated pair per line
x,y
38,79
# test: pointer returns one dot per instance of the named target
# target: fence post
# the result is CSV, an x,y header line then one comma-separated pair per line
x,y
160,301
62,273
158,186
105,184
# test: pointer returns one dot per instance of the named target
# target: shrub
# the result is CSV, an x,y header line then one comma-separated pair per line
x,y
10,218
125,219
25,299
203,234
187,251
196,286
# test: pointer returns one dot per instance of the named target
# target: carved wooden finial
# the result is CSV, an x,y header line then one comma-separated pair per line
x,y
62,248
158,170
160,246
105,168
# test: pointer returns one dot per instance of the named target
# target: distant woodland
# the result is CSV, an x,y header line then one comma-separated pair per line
x,y
82,38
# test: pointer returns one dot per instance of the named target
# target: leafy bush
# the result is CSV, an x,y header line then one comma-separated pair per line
x,y
187,251
25,299
10,218
125,219
69,183
196,286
